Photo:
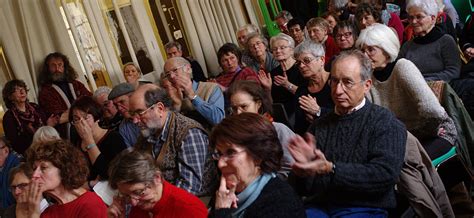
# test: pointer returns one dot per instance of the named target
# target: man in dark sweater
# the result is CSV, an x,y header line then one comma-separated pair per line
x,y
352,162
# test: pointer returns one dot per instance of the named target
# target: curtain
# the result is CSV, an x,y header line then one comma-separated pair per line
x,y
211,23
31,30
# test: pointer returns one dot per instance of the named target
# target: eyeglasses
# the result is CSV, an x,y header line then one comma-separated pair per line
x,y
255,44
21,186
344,35
136,195
230,154
173,71
19,89
305,61
346,83
370,50
416,17
77,119
141,112
280,48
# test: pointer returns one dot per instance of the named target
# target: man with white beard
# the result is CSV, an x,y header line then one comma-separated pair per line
x,y
179,144
59,89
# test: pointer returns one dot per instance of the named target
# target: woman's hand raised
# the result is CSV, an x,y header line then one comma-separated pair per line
x,y
225,196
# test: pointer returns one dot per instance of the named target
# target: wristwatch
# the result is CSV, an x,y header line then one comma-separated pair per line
x,y
89,146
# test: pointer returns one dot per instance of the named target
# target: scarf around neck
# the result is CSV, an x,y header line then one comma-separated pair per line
x,y
30,117
251,193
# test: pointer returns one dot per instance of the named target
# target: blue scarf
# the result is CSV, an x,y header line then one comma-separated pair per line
x,y
6,197
251,193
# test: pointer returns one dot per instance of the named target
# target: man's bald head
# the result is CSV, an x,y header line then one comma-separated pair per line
x,y
150,94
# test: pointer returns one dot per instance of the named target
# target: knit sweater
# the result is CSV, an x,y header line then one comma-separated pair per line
x,y
367,148
435,54
408,96
277,199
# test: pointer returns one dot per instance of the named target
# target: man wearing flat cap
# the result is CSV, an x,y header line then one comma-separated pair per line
x,y
120,95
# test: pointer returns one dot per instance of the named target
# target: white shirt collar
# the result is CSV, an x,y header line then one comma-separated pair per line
x,y
356,108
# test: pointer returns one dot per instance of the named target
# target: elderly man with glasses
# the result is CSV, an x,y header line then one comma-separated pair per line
x,y
179,145
201,101
351,164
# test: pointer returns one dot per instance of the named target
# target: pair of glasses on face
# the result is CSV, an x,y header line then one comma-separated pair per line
x,y
416,17
173,71
305,61
135,195
21,186
140,113
229,154
20,89
76,120
370,50
347,84
280,48
344,35
255,44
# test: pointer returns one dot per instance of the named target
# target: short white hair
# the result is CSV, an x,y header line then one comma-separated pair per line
x,y
381,36
250,28
282,36
310,47
430,7
44,135
101,90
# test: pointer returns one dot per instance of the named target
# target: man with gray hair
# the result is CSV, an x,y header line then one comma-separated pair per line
x,y
174,49
111,118
351,164
201,101
179,145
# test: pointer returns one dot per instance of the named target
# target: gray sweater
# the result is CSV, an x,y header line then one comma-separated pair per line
x,y
407,94
435,54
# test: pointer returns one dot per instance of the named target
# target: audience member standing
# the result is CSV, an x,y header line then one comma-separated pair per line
x,y
22,118
59,89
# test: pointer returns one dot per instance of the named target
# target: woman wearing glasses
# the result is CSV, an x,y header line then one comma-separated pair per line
x,y
100,145
248,159
286,78
313,100
20,178
22,118
139,183
435,53
261,58
399,86
59,172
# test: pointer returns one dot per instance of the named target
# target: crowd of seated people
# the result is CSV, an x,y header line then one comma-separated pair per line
x,y
356,94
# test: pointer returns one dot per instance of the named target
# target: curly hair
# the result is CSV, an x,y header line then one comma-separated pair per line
x,y
70,161
366,8
260,141
46,76
87,105
9,89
